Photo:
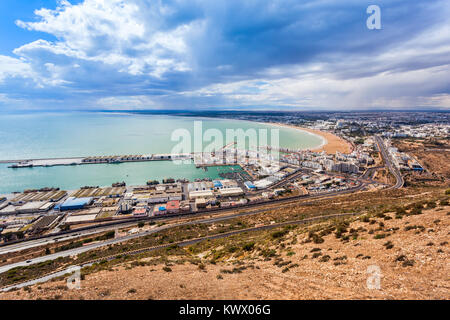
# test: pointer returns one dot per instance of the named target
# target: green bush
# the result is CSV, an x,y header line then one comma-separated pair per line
x,y
248,246
279,234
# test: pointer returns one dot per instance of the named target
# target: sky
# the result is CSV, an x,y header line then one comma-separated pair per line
x,y
224,54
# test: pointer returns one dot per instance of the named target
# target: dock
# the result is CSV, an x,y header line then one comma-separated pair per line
x,y
73,161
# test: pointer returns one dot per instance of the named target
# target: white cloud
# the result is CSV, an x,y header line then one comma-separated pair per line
x,y
12,67
151,54
117,33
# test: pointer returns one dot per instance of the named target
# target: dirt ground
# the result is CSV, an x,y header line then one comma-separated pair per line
x,y
434,160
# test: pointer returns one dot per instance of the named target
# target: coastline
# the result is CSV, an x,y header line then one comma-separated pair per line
x,y
331,142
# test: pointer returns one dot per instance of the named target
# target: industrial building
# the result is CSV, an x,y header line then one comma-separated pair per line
x,y
217,184
140,212
173,206
200,186
158,210
80,218
250,185
201,194
230,192
75,203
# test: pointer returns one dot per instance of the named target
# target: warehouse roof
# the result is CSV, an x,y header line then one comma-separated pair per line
x,y
217,184
76,202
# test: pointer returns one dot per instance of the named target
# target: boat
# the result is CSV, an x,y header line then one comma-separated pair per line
x,y
21,165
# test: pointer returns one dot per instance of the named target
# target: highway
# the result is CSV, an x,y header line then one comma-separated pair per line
x,y
387,160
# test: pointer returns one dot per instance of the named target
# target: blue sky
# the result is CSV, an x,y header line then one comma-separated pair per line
x,y
230,54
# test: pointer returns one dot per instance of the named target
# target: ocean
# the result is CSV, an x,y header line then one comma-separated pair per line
x,y
77,134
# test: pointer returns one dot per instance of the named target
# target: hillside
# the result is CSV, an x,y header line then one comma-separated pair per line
x,y
327,260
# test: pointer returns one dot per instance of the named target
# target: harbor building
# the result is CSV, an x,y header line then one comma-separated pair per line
x,y
75,203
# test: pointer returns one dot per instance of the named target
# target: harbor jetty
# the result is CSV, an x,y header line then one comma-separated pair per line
x,y
50,162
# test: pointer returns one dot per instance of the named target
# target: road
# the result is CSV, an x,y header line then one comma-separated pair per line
x,y
388,162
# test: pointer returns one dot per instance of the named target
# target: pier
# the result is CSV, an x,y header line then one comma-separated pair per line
x,y
205,159
50,162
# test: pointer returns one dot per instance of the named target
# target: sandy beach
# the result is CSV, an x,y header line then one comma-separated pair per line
x,y
332,143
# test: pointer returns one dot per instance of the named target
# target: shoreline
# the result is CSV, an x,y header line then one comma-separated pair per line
x,y
331,143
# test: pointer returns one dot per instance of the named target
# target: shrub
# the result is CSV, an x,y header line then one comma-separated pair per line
x,y
325,258
317,239
421,228
232,249
279,234
388,245
268,253
249,246
167,269
141,224
408,263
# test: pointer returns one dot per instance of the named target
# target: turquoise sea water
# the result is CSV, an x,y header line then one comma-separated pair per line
x,y
28,136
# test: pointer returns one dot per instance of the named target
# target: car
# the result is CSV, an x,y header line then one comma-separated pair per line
x,y
28,261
